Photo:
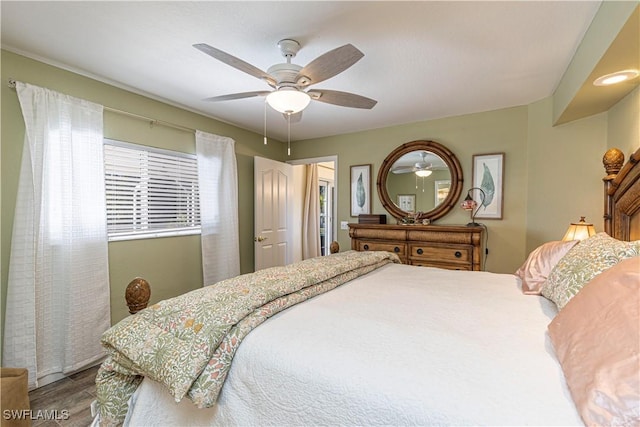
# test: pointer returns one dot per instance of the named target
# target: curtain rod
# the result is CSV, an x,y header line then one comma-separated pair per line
x,y
150,120
12,85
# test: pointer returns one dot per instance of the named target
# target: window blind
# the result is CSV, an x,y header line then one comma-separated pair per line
x,y
150,192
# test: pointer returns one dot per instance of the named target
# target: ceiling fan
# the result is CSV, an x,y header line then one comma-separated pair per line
x,y
421,167
290,82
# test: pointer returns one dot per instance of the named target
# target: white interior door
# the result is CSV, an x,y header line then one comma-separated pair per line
x,y
273,201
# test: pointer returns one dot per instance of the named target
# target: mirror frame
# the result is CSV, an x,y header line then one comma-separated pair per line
x,y
421,145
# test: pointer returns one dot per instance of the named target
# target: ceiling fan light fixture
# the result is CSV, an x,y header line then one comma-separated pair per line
x,y
423,173
288,100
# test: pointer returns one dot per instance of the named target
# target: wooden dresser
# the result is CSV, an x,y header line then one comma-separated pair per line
x,y
456,247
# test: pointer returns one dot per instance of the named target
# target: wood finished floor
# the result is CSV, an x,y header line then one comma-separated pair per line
x,y
73,394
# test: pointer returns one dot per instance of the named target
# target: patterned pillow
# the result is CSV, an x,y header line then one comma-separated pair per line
x,y
583,262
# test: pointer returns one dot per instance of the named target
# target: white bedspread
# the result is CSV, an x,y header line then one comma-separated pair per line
x,y
400,346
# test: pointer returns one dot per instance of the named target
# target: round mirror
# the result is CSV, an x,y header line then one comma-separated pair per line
x,y
420,176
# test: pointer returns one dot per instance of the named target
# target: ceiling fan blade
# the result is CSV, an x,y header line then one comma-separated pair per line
x,y
344,99
403,170
295,118
328,65
238,96
235,63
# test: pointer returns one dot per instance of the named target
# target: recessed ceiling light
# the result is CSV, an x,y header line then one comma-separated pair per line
x,y
617,77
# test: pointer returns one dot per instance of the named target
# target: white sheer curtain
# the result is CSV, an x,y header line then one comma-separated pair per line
x,y
311,214
218,187
58,290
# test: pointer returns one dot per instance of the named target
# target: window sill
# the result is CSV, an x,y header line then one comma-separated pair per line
x,y
154,234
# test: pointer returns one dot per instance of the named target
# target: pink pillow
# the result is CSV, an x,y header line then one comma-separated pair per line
x,y
536,268
596,337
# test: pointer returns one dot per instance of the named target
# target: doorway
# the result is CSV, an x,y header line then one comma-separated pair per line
x,y
327,181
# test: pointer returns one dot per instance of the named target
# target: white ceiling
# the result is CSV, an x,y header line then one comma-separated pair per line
x,y
423,59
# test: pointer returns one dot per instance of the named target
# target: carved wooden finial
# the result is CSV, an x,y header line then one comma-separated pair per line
x,y
137,295
613,160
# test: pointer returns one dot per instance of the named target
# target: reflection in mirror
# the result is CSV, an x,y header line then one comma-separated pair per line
x,y
418,181
419,176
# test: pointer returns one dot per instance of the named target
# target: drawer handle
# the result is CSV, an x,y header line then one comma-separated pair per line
x,y
420,251
396,249
458,254
366,247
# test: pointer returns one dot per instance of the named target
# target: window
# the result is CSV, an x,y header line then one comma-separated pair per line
x,y
150,192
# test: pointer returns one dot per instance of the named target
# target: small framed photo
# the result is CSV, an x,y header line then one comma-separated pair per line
x,y
407,202
360,193
488,172
441,190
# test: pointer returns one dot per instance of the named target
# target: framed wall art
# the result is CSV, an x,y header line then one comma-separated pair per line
x,y
360,193
407,202
488,172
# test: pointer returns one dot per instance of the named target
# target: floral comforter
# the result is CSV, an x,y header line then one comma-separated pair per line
x,y
187,343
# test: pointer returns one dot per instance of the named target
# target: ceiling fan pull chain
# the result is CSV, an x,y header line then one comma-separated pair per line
x,y
288,134
265,122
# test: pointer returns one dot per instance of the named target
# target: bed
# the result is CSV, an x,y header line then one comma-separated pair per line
x,y
365,340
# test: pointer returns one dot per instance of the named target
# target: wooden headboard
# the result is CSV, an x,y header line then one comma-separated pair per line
x,y
622,195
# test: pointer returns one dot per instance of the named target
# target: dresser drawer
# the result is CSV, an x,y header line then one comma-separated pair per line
x,y
441,253
399,249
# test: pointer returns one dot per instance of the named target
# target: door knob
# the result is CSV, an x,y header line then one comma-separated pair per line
x,y
259,239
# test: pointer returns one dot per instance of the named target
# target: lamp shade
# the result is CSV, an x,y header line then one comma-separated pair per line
x,y
468,203
579,230
288,100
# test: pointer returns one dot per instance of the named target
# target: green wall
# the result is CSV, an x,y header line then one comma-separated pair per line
x,y
172,265
488,132
623,130
564,173
553,174
422,188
